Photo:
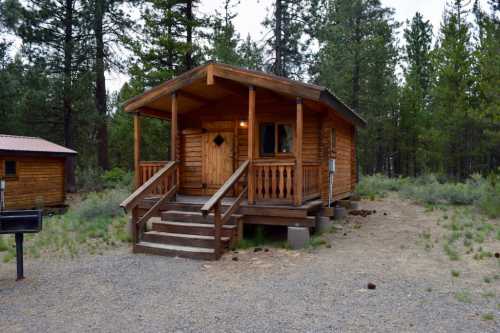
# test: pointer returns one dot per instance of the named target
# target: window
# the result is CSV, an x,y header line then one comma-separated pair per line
x,y
285,138
275,139
333,143
267,139
10,169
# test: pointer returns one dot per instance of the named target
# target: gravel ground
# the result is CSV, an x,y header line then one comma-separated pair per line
x,y
276,291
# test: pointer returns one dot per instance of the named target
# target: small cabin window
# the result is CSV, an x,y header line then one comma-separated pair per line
x,y
275,139
333,143
285,138
10,169
267,139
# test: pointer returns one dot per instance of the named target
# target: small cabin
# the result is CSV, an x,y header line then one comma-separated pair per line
x,y
34,172
246,147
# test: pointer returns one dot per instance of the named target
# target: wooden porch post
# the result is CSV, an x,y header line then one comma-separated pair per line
x,y
137,150
298,154
173,128
251,132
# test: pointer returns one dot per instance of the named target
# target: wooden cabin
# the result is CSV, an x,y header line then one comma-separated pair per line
x,y
245,147
34,172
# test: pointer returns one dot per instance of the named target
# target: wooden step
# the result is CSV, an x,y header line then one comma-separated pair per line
x,y
175,250
183,239
193,217
204,229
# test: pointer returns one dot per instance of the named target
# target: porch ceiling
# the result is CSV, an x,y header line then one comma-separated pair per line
x,y
210,83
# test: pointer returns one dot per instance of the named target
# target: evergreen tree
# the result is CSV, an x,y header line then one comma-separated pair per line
x,y
252,56
453,113
357,60
286,46
487,82
414,116
167,47
224,39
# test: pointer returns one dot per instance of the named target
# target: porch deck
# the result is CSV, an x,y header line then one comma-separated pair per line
x,y
258,213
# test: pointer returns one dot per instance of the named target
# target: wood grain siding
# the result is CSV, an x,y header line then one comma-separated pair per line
x,y
311,146
39,182
191,161
345,175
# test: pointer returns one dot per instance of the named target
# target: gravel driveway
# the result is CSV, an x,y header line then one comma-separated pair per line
x,y
275,291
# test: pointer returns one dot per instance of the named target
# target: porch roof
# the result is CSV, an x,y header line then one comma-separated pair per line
x,y
214,81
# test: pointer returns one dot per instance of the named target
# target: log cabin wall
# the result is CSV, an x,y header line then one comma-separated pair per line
x,y
39,182
343,151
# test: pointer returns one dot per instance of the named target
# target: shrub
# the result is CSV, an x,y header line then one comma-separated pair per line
x,y
378,185
117,177
105,204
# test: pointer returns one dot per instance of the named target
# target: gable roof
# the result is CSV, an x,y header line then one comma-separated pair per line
x,y
26,144
244,76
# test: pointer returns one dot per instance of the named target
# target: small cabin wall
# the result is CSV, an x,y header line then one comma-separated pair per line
x,y
39,182
344,153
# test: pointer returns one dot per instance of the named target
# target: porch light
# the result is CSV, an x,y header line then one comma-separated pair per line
x,y
243,124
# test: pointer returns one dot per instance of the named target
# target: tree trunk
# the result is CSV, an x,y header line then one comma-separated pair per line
x,y
100,88
356,65
67,98
278,65
189,34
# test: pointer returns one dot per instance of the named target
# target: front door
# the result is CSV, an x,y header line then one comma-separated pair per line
x,y
217,162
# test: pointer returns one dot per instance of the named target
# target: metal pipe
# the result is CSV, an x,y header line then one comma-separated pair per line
x,y
19,256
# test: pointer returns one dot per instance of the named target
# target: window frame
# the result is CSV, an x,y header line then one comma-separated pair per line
x,y
7,175
276,138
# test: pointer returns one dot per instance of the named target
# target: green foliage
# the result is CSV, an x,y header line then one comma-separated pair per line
x,y
463,296
3,244
488,316
455,273
484,194
101,205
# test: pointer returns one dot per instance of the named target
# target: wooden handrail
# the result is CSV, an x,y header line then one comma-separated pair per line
x,y
139,194
222,191
215,204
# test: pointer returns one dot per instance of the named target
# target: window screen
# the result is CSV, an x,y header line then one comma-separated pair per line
x,y
267,139
10,168
285,138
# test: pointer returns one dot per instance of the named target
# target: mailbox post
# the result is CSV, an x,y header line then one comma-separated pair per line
x,y
18,222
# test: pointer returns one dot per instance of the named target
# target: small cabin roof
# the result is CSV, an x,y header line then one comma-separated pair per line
x,y
196,88
25,144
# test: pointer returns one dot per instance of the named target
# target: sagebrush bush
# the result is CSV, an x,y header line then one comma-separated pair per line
x,y
95,179
105,204
427,189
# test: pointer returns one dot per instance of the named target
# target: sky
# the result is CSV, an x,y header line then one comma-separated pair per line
x,y
251,13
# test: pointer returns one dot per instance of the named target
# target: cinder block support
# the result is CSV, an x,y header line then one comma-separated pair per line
x,y
298,237
340,213
324,224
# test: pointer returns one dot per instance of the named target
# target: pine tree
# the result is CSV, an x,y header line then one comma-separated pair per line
x,y
451,95
487,82
286,46
357,60
414,118
224,38
252,56
167,47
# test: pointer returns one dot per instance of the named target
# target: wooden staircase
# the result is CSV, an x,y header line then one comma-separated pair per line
x,y
196,231
186,234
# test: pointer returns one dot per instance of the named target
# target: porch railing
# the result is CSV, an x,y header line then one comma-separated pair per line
x,y
311,183
164,182
274,180
147,169
215,204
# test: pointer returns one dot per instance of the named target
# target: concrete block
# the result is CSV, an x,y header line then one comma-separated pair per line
x,y
298,237
340,213
324,224
355,205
